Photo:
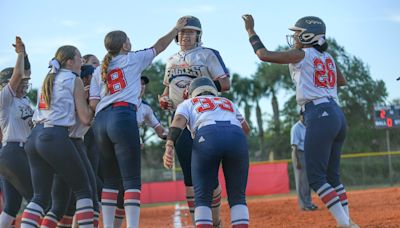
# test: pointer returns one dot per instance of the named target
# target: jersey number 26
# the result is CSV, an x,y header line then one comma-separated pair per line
x,y
324,73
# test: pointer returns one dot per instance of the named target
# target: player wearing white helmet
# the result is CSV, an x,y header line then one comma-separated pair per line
x,y
218,137
316,76
49,149
16,123
192,61
114,93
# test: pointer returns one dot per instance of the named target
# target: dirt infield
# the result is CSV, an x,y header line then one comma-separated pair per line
x,y
378,208
369,208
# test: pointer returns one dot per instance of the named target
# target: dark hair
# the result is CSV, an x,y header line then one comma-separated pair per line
x,y
322,48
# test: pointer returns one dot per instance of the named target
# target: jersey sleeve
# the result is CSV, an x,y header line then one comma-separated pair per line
x,y
151,119
95,85
216,65
239,115
184,109
294,136
142,58
6,96
167,72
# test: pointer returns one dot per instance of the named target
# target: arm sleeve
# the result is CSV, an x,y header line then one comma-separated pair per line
x,y
6,96
216,65
294,136
151,119
239,115
142,58
183,109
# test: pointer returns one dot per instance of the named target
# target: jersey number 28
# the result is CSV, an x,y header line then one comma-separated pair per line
x,y
324,73
209,104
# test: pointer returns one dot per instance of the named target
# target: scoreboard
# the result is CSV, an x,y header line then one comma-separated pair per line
x,y
387,116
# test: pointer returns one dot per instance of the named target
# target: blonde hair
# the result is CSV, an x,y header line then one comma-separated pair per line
x,y
62,55
113,42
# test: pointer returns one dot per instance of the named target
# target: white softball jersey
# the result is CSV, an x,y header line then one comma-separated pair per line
x,y
62,105
315,76
124,79
205,110
145,115
184,66
15,116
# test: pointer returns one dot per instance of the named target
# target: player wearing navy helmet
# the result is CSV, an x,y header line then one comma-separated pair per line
x,y
192,61
218,131
317,77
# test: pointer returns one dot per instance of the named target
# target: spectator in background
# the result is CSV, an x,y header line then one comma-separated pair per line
x,y
297,136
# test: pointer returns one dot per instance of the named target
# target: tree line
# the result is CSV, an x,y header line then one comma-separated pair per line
x,y
270,135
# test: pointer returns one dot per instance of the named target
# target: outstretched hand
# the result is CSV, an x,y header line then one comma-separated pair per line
x,y
19,45
168,158
248,22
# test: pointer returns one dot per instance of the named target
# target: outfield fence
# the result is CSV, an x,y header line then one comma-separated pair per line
x,y
358,169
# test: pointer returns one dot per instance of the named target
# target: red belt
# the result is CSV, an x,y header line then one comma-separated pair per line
x,y
120,104
123,104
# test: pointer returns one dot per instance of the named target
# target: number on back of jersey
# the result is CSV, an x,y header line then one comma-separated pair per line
x,y
212,103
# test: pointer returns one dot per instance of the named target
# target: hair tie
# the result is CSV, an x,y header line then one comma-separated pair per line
x,y
54,65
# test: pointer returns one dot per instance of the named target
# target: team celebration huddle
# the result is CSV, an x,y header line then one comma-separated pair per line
x,y
77,154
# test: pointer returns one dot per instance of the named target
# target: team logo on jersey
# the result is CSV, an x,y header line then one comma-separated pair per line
x,y
195,71
26,112
182,84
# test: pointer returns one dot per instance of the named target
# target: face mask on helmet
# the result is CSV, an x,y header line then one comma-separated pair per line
x,y
312,30
192,23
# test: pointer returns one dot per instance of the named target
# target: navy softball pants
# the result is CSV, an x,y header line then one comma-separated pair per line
x,y
325,134
214,144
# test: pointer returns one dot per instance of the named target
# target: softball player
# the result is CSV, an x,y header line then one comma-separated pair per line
x,y
49,148
218,137
61,192
144,116
192,61
114,93
16,123
317,77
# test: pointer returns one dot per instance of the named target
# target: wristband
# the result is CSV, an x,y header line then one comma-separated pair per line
x,y
174,133
256,43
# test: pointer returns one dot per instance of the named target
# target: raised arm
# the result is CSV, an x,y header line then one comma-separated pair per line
x,y
18,71
164,41
284,57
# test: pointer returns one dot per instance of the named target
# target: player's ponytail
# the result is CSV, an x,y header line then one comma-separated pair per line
x,y
62,55
113,42
104,67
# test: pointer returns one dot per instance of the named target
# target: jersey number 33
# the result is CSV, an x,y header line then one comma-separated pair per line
x,y
210,104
